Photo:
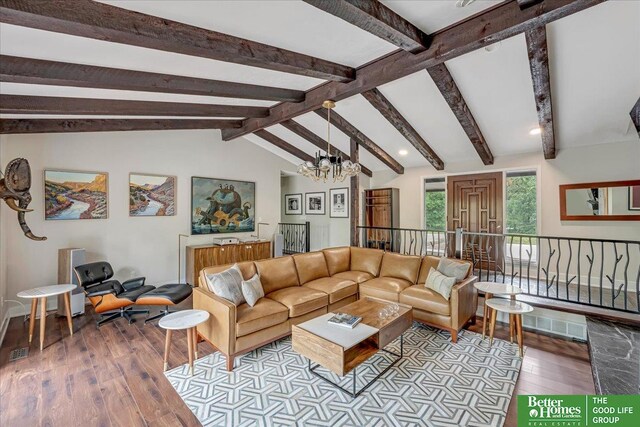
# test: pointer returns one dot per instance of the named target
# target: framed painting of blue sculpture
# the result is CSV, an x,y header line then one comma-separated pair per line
x,y
222,205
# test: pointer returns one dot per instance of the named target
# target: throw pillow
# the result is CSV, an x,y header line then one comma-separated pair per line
x,y
440,283
227,284
252,290
452,268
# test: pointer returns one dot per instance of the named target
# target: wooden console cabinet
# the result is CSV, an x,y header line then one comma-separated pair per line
x,y
202,256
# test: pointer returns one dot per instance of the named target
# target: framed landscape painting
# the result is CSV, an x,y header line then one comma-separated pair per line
x,y
152,195
314,203
75,195
339,203
222,205
293,204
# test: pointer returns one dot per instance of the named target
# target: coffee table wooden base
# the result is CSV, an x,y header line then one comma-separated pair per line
x,y
192,347
355,393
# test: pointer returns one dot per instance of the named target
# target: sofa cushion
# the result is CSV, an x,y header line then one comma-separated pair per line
x,y
454,268
263,315
433,261
227,284
252,290
247,268
354,276
400,266
425,299
336,288
427,262
310,266
387,288
338,259
277,273
300,300
440,283
367,260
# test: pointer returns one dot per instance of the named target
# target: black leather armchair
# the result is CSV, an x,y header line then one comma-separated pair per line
x,y
110,298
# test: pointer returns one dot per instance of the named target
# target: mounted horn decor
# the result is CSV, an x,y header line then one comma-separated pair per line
x,y
14,190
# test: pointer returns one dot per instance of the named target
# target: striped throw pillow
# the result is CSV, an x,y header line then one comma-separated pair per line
x,y
227,284
440,283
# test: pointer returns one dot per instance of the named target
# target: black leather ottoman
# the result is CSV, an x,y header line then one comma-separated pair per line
x,y
165,295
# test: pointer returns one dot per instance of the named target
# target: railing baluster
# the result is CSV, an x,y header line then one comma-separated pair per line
x,y
601,269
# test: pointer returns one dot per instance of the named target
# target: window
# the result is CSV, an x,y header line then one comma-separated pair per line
x,y
435,202
522,204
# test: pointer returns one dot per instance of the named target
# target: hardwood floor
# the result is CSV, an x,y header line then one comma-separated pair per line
x,y
113,376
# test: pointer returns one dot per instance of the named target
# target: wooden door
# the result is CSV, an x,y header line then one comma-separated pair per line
x,y
474,202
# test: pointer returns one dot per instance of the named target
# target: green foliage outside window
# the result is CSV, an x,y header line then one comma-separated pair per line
x,y
521,205
434,209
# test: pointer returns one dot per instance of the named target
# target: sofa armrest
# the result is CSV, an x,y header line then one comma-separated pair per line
x,y
464,302
220,328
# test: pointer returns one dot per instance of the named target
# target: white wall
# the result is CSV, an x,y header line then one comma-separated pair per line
x,y
3,260
134,246
324,231
605,162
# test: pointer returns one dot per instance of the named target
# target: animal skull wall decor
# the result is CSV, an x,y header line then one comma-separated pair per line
x,y
14,190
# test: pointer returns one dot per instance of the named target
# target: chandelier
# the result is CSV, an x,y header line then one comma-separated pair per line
x,y
325,164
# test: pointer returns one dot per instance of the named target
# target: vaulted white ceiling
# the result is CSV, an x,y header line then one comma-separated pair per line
x,y
594,61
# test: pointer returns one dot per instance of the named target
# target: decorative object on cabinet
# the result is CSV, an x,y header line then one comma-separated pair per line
x,y
222,205
293,204
381,209
152,195
14,190
202,256
315,203
600,201
75,195
339,203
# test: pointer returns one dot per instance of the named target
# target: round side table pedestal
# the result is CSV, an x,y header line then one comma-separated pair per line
x,y
40,295
515,309
490,289
185,319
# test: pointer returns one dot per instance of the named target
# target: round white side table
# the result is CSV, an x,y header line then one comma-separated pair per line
x,y
41,294
490,289
515,309
185,319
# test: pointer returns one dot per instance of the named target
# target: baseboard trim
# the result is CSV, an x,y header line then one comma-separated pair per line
x,y
4,326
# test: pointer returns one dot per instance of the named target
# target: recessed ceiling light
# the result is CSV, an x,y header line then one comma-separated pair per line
x,y
535,131
403,152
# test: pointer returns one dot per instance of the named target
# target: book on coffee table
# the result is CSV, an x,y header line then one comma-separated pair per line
x,y
345,320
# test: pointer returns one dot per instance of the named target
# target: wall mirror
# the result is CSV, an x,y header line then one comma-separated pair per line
x,y
603,201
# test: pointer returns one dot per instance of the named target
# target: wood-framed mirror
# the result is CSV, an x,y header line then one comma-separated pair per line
x,y
600,201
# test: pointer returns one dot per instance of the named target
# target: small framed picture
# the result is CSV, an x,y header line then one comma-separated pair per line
x,y
293,204
339,203
152,195
314,203
634,198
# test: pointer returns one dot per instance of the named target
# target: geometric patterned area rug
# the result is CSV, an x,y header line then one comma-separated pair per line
x,y
437,383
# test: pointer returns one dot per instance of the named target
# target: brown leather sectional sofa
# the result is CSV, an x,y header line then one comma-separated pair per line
x,y
300,287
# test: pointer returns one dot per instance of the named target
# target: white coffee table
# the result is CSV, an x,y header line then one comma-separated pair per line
x,y
185,319
41,294
515,309
490,289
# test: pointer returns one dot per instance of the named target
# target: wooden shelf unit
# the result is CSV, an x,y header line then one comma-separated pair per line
x,y
202,256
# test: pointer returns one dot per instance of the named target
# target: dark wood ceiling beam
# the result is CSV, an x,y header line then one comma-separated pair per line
x,y
284,145
498,23
15,126
451,93
305,133
539,63
635,116
15,69
377,19
528,3
352,132
393,116
100,21
23,104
